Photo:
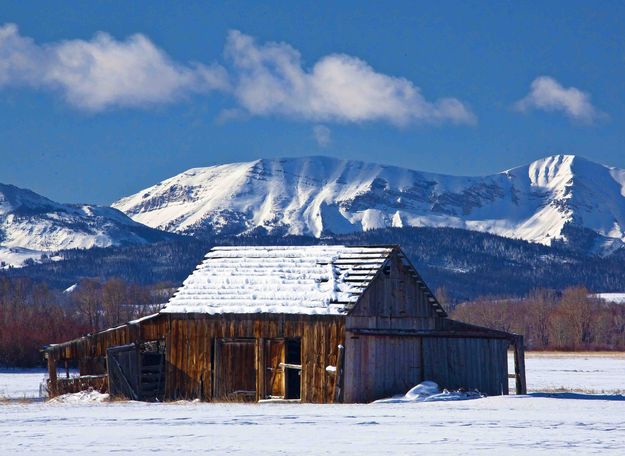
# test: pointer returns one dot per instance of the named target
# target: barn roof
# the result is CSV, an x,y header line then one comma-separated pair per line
x,y
326,279
283,279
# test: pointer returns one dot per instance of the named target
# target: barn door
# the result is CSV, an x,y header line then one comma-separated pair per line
x,y
124,371
274,377
235,370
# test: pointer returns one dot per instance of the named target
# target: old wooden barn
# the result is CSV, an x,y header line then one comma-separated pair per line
x,y
318,324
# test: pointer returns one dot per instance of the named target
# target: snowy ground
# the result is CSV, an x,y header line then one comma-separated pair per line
x,y
578,372
548,422
21,383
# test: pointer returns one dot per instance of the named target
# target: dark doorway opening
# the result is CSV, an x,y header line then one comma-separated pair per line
x,y
293,378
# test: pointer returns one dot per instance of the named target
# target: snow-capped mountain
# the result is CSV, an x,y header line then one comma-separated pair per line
x,y
538,202
32,225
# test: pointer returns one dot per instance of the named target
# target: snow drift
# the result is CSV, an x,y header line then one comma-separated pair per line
x,y
429,391
82,397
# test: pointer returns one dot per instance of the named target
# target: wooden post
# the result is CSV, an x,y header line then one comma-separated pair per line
x,y
260,369
52,383
519,365
340,375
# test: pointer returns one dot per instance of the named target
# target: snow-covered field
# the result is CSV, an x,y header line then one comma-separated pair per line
x,y
577,372
22,383
548,422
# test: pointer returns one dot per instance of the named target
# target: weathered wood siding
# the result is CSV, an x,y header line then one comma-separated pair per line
x,y
395,299
190,350
470,363
235,375
381,366
90,351
388,360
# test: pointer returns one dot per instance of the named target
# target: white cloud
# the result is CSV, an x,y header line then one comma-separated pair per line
x,y
547,94
103,72
323,135
264,80
270,80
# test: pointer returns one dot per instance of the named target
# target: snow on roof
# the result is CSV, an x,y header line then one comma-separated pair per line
x,y
324,280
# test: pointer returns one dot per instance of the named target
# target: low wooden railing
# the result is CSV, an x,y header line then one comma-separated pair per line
x,y
77,384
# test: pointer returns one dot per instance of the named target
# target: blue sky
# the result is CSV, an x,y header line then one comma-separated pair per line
x,y
454,87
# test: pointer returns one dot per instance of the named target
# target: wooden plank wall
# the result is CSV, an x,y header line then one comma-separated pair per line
x,y
190,341
381,366
90,351
236,373
393,300
88,348
470,363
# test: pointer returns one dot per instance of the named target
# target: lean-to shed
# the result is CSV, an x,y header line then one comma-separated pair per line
x,y
315,323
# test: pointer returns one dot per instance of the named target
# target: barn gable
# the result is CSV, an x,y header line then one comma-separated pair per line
x,y
397,291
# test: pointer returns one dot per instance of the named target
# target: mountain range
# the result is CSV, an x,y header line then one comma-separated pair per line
x,y
543,202
561,199
32,225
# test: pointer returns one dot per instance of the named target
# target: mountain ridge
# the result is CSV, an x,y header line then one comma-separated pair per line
x,y
32,225
539,202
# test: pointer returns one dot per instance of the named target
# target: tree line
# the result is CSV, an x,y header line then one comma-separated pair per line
x,y
32,314
573,319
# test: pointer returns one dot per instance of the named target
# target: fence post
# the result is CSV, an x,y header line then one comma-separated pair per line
x,y
52,382
340,369
519,364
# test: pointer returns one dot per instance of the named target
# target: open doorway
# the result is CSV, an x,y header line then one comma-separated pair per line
x,y
293,374
283,363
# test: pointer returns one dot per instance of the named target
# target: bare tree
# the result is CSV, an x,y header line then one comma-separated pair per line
x,y
88,298
114,301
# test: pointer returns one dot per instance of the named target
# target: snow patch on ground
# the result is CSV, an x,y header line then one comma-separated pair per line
x,y
429,391
80,397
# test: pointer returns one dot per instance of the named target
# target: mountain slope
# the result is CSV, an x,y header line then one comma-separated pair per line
x,y
539,202
32,225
